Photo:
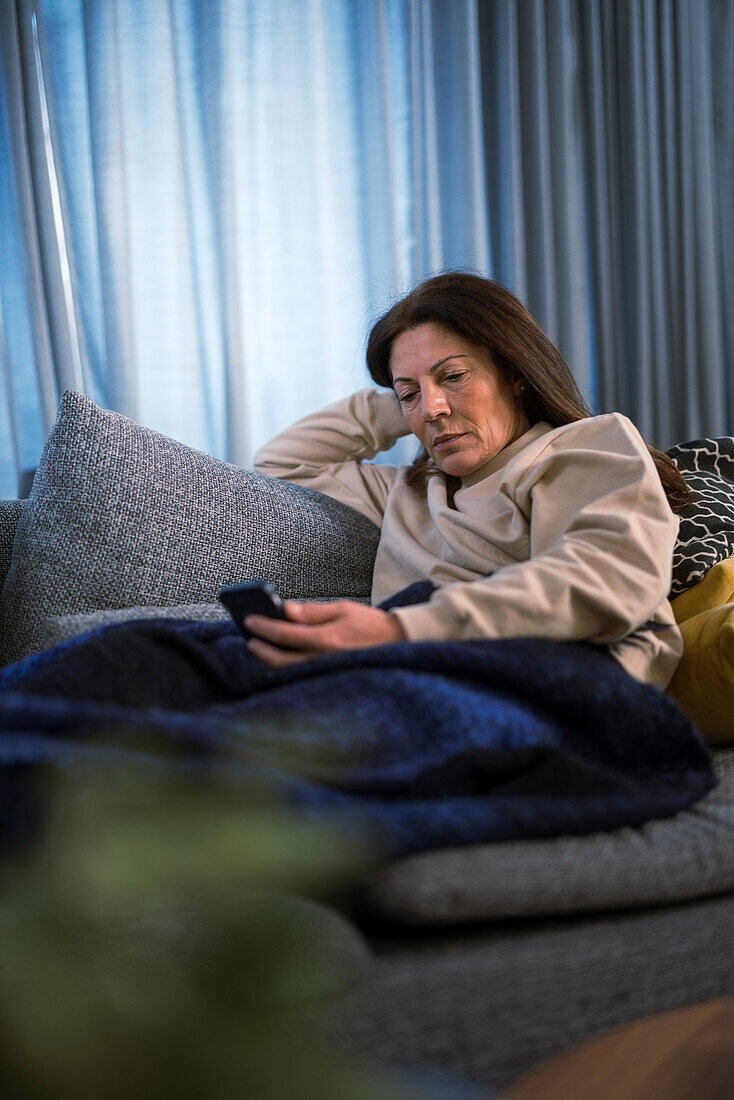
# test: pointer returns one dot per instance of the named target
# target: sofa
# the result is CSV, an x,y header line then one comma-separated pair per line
x,y
480,961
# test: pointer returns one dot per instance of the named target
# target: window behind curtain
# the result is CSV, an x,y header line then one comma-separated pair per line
x,y
243,187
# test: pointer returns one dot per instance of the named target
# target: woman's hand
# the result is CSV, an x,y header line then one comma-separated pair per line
x,y
317,628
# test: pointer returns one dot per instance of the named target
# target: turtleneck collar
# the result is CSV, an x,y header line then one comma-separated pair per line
x,y
506,454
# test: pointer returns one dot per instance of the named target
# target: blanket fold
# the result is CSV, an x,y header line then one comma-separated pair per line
x,y
422,744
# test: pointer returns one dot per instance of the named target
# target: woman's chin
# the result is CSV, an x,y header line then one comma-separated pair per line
x,y
457,465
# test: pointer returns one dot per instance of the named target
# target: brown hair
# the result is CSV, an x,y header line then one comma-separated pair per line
x,y
489,316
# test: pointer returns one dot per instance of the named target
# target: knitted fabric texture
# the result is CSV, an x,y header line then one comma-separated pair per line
x,y
10,512
422,745
676,858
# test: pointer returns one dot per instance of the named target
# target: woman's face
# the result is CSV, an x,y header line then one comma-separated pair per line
x,y
453,398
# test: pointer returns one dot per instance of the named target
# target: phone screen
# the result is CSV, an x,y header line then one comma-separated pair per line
x,y
250,598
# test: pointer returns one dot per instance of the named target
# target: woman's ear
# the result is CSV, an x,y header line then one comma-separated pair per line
x,y
518,386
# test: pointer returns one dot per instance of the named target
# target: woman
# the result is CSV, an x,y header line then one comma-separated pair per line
x,y
528,515
525,519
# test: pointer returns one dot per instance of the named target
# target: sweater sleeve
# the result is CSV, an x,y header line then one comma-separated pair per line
x,y
326,450
601,546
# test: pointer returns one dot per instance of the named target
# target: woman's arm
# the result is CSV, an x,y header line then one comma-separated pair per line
x,y
325,450
601,545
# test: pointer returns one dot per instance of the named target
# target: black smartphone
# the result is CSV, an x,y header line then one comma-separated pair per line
x,y
250,598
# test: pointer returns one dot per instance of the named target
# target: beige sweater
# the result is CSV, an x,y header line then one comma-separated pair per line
x,y
566,534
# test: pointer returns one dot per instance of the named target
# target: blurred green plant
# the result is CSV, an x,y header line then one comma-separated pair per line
x,y
150,948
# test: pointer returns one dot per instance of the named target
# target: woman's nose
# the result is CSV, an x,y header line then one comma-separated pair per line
x,y
433,404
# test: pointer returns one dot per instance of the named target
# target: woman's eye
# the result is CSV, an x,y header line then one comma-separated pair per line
x,y
455,377
404,398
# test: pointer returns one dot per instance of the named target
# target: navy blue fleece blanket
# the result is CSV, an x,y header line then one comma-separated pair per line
x,y
426,744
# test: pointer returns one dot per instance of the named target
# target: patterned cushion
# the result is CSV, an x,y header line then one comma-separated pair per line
x,y
121,516
706,534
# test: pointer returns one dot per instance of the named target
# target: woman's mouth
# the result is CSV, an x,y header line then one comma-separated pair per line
x,y
443,441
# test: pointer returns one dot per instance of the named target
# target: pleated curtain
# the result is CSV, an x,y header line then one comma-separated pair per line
x,y
657,85
609,136
204,205
535,169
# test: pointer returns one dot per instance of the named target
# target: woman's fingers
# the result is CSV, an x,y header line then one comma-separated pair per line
x,y
275,657
298,633
313,612
288,635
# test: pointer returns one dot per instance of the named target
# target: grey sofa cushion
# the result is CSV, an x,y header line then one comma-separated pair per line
x,y
59,628
491,1001
121,516
686,856
10,511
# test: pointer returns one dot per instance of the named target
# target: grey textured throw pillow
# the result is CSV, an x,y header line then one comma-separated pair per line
x,y
122,516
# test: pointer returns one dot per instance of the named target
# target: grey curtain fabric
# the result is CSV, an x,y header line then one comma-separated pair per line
x,y
609,128
35,218
158,255
535,172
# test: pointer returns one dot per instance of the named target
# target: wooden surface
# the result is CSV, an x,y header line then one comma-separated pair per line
x,y
683,1055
